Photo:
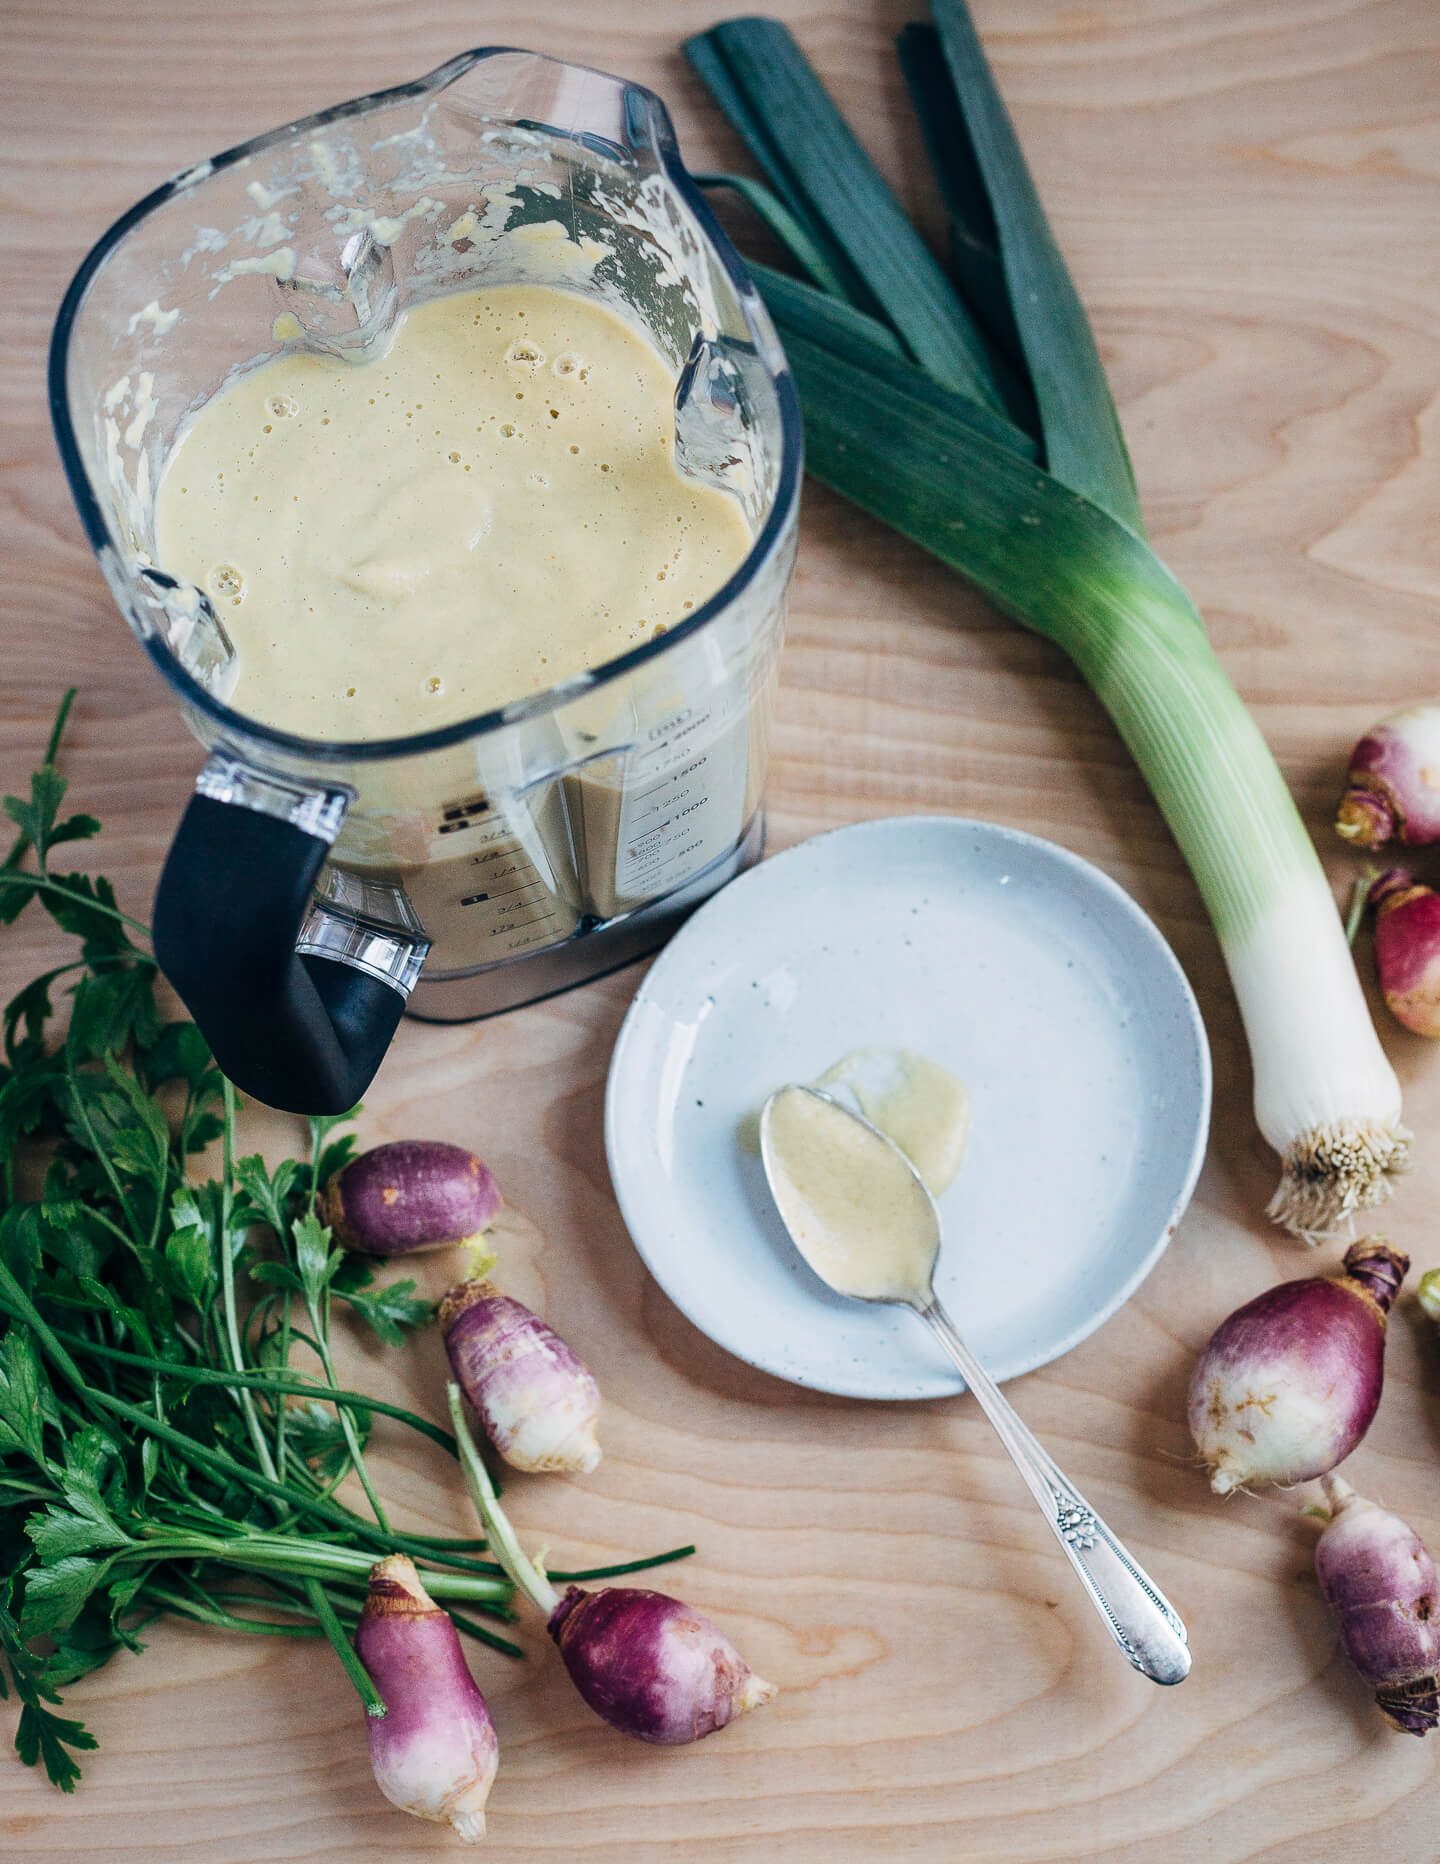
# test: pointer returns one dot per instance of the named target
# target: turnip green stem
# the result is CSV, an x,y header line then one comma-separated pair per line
x,y
506,1548
1359,895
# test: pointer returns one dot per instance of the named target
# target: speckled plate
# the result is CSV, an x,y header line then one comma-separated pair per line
x,y
1020,967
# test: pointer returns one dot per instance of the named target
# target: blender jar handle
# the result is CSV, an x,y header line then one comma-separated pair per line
x,y
301,1032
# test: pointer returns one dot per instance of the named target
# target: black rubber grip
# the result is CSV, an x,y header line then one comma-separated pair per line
x,y
305,1035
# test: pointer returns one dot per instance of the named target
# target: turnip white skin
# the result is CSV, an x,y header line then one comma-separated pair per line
x,y
652,1667
1380,1583
1407,949
536,1399
413,1194
1392,786
434,1751
1289,1383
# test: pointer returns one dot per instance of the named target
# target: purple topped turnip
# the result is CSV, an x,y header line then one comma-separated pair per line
x,y
1380,1583
1407,949
434,1752
652,1667
1392,787
538,1403
647,1664
1288,1385
411,1195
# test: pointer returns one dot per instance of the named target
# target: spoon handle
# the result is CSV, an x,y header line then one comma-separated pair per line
x,y
1137,1614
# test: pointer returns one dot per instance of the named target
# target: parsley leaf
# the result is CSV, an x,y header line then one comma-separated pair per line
x,y
44,1736
20,1381
54,1595
388,1309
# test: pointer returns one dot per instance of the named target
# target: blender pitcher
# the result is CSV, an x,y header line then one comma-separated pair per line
x,y
314,884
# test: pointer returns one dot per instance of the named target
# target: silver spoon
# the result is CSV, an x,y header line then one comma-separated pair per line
x,y
1136,1613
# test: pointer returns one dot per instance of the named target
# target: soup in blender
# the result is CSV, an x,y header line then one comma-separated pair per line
x,y
487,509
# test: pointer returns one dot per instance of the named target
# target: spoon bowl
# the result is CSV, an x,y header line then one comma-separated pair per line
x,y
865,1223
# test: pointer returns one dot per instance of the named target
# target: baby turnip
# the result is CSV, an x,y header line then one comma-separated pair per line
x,y
1407,949
1380,1583
434,1751
649,1665
1288,1385
537,1401
1392,786
413,1194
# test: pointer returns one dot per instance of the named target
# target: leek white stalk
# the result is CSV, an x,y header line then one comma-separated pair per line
x,y
1063,550
1326,1098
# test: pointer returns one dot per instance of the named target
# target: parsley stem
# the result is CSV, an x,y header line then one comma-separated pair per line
x,y
22,841
43,884
83,1113
215,1460
347,1423
344,1649
459,1619
628,1566
282,1411
481,1635
227,1283
302,1558
319,1313
214,1615
57,730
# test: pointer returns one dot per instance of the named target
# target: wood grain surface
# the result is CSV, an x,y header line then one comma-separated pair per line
x,y
1248,195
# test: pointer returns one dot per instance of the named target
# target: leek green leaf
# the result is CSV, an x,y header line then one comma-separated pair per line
x,y
796,238
1069,571
1084,447
974,239
803,314
706,52
814,162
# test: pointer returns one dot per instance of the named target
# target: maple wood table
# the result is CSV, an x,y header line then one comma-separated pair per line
x,y
1249,197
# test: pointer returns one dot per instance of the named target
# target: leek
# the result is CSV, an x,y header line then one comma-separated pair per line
x,y
1060,546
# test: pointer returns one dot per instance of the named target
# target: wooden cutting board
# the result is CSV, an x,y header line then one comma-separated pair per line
x,y
1248,196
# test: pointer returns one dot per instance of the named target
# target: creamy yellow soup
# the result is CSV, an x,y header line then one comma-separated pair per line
x,y
489,508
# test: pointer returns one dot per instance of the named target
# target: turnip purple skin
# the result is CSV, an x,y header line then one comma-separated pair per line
x,y
536,1400
414,1194
1392,786
1380,1583
645,1663
434,1751
652,1667
1289,1383
1407,949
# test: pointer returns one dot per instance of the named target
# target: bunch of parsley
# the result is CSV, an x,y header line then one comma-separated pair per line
x,y
171,1435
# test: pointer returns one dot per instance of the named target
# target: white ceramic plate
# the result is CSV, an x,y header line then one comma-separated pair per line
x,y
1015,964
